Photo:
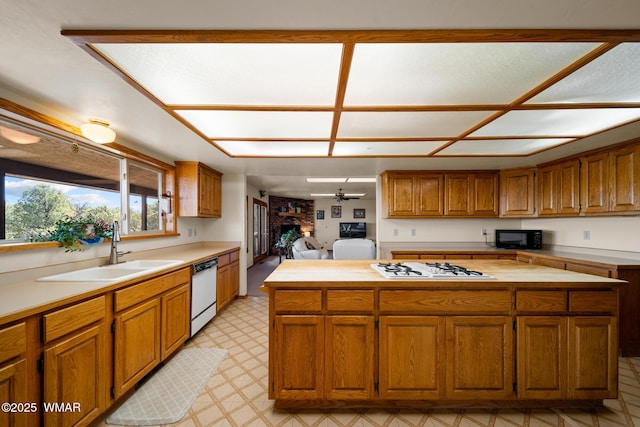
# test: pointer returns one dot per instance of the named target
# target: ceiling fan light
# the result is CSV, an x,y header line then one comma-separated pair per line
x,y
98,131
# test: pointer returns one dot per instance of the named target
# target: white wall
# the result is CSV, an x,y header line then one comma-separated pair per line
x,y
328,230
232,225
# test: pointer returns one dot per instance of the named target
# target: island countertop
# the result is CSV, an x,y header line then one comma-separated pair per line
x,y
336,273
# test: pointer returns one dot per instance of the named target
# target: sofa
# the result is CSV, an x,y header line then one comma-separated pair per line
x,y
308,248
354,249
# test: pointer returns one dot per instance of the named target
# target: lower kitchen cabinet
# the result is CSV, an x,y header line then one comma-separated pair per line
x,y
76,348
228,280
14,382
176,317
412,354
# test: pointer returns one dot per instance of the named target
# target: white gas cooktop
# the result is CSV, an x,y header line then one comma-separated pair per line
x,y
425,271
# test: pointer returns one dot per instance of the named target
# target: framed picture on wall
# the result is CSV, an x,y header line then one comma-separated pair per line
x,y
319,214
358,213
336,211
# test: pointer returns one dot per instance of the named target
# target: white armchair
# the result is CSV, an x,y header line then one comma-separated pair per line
x,y
308,248
354,249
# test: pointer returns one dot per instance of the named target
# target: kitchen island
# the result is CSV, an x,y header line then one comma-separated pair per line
x,y
343,335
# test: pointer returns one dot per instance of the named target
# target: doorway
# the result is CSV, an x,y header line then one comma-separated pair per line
x,y
260,231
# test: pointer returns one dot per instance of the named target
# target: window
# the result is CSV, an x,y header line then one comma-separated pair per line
x,y
47,177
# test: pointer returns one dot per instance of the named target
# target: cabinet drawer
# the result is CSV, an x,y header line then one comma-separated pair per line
x,y
13,341
66,320
531,301
589,269
445,301
593,301
223,260
234,256
307,301
553,263
343,300
135,294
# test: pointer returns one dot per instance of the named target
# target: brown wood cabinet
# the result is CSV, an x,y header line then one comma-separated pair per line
x,y
558,189
421,194
75,347
517,192
14,382
199,190
228,280
624,169
594,183
152,320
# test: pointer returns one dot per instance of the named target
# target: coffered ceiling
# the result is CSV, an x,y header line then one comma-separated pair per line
x,y
426,93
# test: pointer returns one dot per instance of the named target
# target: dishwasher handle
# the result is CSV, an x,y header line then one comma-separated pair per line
x,y
205,265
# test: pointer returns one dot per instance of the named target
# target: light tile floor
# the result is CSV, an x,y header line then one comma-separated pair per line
x,y
236,395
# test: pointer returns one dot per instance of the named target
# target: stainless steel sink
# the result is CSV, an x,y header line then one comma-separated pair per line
x,y
110,273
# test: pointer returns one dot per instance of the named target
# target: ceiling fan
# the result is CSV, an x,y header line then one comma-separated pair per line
x,y
340,196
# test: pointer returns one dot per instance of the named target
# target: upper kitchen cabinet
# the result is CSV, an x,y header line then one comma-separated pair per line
x,y
517,192
624,170
594,183
558,189
199,190
424,194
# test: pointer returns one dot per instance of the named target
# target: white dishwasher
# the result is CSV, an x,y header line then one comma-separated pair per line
x,y
203,293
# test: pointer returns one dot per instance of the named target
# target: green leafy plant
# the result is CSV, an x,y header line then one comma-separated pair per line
x,y
287,240
71,232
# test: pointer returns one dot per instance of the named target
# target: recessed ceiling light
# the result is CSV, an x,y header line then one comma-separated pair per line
x,y
362,179
326,179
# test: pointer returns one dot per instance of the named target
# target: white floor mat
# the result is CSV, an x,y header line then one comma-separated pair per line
x,y
167,396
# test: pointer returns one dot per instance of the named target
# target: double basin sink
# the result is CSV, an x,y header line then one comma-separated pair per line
x,y
110,273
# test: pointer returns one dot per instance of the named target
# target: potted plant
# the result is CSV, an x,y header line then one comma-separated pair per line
x,y
287,240
71,233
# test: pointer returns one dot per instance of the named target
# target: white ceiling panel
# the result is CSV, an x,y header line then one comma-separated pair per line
x,y
613,77
408,124
454,73
557,122
497,147
275,149
244,74
386,148
260,124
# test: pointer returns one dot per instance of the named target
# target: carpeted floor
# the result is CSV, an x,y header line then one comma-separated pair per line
x,y
257,273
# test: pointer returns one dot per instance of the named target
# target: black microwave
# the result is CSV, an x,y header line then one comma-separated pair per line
x,y
519,239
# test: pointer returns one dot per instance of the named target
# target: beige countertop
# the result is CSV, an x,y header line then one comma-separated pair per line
x,y
358,273
24,298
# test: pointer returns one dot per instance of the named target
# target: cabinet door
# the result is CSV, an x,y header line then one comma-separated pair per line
x,y
296,358
206,192
234,280
349,357
547,197
412,357
517,193
479,360
569,188
593,362
624,167
429,195
75,372
223,286
457,193
485,195
136,344
176,317
594,183
400,195
13,389
542,357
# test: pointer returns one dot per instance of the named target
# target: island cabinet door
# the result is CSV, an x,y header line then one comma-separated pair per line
x,y
542,357
593,361
297,358
479,359
349,357
412,357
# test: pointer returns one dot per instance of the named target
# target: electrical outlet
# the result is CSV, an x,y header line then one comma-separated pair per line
x,y
395,231
413,232
586,235
484,231
190,232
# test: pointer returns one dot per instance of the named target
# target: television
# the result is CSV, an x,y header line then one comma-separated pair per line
x,y
353,230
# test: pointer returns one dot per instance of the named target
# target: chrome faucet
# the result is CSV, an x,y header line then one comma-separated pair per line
x,y
115,238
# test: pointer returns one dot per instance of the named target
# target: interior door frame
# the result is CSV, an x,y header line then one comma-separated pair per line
x,y
263,225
